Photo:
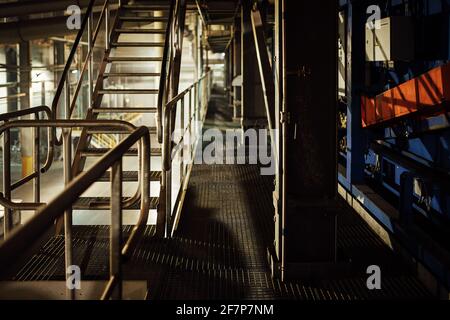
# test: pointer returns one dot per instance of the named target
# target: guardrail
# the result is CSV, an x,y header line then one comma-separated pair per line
x,y
20,238
8,187
170,68
92,35
196,112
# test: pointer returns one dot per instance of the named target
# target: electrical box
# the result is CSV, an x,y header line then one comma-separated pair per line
x,y
391,40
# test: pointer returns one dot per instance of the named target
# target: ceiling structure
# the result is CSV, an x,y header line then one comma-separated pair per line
x,y
34,19
218,16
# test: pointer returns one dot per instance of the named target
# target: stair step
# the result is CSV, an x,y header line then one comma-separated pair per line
x,y
129,91
144,31
97,152
138,44
134,59
129,176
113,130
131,74
150,7
143,19
86,203
125,110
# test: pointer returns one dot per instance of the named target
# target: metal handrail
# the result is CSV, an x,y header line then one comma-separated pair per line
x,y
35,110
20,238
65,72
87,63
164,68
109,125
168,120
103,13
174,37
7,186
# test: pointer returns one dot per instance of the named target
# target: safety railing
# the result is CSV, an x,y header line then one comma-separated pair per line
x,y
20,238
170,67
184,126
8,186
88,31
116,126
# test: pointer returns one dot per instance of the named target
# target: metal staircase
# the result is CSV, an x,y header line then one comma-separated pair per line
x,y
137,130
150,20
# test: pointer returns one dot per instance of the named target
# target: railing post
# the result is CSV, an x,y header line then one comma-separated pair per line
x,y
182,131
196,106
7,218
90,65
36,164
115,256
168,180
107,26
67,158
190,125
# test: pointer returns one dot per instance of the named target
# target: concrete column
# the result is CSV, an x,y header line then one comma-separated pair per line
x,y
309,41
26,134
252,104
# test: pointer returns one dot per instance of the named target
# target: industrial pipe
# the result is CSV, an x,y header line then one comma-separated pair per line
x,y
23,8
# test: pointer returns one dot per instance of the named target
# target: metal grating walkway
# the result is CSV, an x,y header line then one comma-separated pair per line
x,y
219,251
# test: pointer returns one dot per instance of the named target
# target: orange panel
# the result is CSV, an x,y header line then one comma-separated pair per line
x,y
428,90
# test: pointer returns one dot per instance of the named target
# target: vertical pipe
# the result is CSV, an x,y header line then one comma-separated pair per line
x,y
7,218
12,105
115,255
284,132
67,159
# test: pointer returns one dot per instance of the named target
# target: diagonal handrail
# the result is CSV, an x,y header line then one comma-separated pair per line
x,y
164,69
20,238
104,15
170,69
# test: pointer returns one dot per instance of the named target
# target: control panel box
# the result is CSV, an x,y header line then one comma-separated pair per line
x,y
391,40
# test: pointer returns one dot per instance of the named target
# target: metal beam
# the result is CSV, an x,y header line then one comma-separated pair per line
x,y
23,8
14,32
356,13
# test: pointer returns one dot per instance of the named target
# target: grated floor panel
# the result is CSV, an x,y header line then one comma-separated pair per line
x,y
219,251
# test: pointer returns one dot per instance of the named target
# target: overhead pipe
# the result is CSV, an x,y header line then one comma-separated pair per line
x,y
23,8
14,32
